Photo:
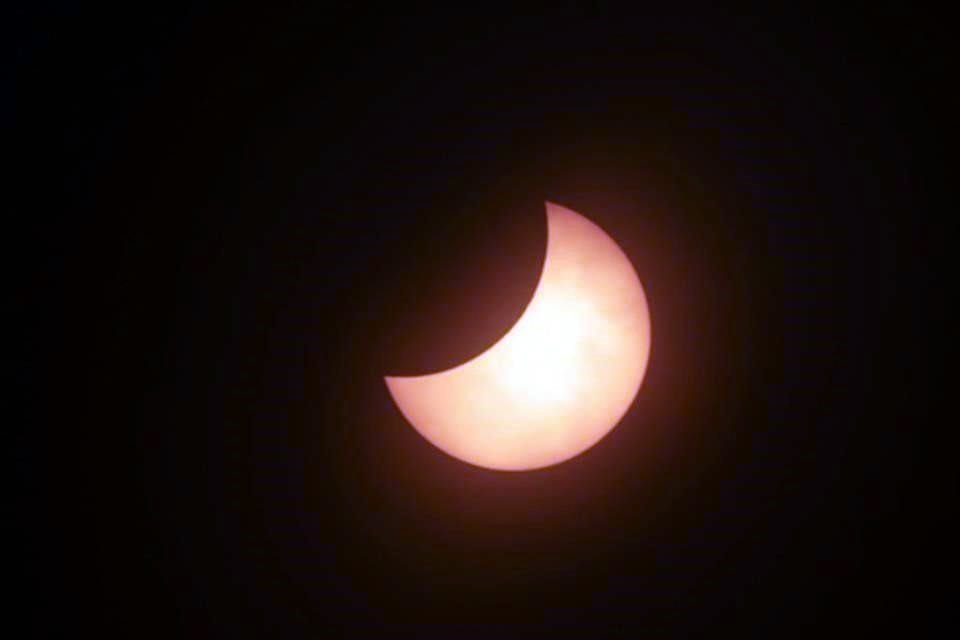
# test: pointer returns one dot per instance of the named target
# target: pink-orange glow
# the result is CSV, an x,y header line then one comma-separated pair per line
x,y
561,378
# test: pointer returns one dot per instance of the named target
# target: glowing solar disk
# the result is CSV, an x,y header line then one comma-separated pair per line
x,y
561,378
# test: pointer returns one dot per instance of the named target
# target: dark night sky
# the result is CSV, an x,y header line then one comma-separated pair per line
x,y
247,218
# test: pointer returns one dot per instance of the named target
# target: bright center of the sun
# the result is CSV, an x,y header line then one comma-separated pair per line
x,y
544,360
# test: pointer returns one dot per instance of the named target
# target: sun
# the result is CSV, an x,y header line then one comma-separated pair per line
x,y
561,378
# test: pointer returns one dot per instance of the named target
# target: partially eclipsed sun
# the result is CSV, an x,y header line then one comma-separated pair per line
x,y
561,378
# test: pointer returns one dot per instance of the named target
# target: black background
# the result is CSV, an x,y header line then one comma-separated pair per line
x,y
239,221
